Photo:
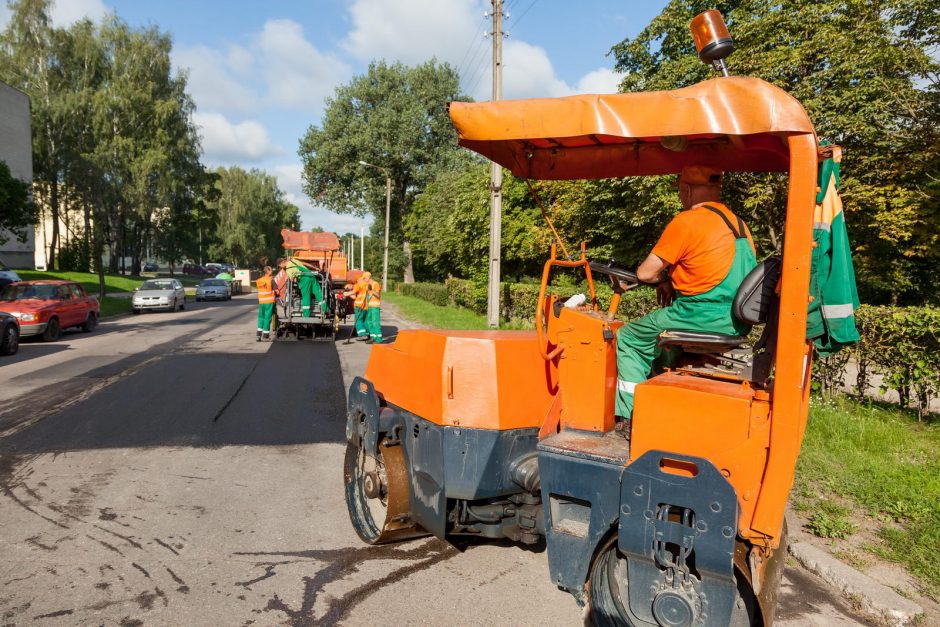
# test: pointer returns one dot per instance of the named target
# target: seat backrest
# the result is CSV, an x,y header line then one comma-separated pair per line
x,y
755,297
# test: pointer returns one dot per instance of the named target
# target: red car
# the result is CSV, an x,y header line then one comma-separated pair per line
x,y
46,307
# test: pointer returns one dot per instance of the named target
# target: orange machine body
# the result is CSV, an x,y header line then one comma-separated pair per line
x,y
563,376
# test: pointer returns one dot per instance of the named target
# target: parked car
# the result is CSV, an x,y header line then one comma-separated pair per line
x,y
159,294
214,289
7,275
47,307
195,269
9,334
151,266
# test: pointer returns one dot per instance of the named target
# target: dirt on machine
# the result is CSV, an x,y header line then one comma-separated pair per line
x,y
675,517
313,257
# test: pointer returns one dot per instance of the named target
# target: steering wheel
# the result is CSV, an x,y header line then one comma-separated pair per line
x,y
614,271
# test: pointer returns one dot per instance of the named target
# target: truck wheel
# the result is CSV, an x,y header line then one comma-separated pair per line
x,y
53,330
378,495
607,592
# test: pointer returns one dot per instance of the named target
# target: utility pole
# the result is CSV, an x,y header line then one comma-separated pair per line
x,y
496,177
362,246
352,251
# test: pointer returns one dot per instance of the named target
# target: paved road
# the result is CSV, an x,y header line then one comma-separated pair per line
x,y
167,469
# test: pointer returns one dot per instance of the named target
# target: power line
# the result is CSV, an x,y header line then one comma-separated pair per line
x,y
477,39
519,19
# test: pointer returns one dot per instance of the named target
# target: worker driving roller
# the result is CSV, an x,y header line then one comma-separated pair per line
x,y
697,265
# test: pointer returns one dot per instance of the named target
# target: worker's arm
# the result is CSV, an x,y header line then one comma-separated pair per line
x,y
655,270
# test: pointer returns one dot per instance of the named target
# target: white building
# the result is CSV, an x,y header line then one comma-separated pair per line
x,y
16,149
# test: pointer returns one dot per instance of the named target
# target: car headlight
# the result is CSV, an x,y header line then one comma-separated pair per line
x,y
27,317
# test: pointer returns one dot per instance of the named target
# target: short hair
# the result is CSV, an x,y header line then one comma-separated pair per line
x,y
267,268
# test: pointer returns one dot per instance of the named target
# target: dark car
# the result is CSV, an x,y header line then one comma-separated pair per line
x,y
150,266
46,307
9,334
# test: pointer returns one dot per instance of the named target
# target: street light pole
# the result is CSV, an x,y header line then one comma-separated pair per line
x,y
388,211
362,246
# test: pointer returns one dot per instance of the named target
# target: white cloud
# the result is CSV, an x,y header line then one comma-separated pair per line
x,y
64,13
224,142
413,31
297,74
600,81
289,180
212,78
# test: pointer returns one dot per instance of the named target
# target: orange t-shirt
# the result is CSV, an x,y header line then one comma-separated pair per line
x,y
700,248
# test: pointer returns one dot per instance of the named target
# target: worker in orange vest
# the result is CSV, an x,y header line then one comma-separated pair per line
x,y
265,304
373,312
359,303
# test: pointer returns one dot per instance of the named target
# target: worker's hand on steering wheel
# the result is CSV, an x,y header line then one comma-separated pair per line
x,y
665,293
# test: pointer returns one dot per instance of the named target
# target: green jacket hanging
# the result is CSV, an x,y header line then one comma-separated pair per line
x,y
831,320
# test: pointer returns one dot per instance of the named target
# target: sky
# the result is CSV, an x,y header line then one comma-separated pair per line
x,y
259,72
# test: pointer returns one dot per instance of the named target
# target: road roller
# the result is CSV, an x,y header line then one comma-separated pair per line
x,y
676,516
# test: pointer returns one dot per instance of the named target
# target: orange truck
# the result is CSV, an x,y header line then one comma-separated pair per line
x,y
679,518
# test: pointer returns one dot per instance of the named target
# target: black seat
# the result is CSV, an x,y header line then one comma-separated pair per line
x,y
753,304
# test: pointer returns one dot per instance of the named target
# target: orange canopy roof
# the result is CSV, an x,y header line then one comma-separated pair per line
x,y
731,123
303,240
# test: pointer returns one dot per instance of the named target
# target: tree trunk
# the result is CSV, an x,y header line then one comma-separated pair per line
x,y
54,208
409,264
86,233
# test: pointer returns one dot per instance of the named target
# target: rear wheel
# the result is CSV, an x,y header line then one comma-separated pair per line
x,y
10,341
607,590
378,495
53,330
90,323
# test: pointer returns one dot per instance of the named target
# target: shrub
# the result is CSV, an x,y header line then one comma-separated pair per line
x,y
432,292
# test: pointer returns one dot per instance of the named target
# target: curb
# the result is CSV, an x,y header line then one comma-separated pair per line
x,y
873,597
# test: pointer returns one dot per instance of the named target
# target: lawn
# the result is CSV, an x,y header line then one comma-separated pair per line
x,y
878,460
113,282
423,312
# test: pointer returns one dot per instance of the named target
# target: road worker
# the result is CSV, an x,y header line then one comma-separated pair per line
x,y
308,282
373,307
359,291
697,265
265,304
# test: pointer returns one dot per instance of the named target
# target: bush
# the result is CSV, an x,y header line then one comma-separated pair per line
x,y
432,292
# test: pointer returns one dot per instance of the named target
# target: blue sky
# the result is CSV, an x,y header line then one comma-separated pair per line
x,y
259,71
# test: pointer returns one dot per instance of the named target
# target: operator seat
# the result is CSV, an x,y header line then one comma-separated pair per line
x,y
754,303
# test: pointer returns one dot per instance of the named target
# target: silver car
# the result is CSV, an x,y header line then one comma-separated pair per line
x,y
214,289
165,294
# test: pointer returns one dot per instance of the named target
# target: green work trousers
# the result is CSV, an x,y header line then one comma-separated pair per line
x,y
374,323
360,318
265,312
709,312
309,285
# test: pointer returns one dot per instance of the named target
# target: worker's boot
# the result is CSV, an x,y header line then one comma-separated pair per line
x,y
258,339
369,340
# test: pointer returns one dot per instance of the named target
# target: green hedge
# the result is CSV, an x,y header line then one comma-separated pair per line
x,y
899,344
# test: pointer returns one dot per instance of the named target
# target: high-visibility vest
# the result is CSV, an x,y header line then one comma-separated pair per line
x,y
375,297
265,290
359,291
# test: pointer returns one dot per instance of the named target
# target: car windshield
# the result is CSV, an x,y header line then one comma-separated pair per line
x,y
157,285
213,283
20,291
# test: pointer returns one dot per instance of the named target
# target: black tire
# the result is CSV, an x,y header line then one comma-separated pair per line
x,y
183,304
136,312
607,586
10,340
90,323
53,330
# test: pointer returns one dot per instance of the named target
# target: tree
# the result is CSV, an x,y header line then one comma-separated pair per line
x,y
394,117
251,213
17,210
863,73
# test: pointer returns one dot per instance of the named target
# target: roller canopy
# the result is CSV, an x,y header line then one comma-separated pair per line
x,y
732,123
302,240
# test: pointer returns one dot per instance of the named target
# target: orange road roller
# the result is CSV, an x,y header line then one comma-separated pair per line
x,y
675,517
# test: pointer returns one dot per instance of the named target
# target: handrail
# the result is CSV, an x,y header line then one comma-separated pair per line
x,y
540,302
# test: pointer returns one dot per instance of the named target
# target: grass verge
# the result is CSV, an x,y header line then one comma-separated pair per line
x,y
89,280
114,305
435,316
879,458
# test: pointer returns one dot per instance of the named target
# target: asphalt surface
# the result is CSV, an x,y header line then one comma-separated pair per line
x,y
169,470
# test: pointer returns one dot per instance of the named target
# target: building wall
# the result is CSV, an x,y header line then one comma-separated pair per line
x,y
16,149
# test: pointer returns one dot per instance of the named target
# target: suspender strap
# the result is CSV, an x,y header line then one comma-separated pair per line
x,y
738,234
